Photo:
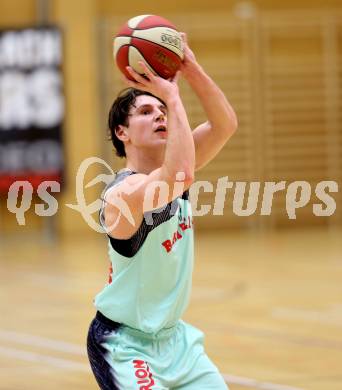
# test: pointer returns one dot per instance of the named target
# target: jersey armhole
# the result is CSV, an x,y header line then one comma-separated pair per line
x,y
129,247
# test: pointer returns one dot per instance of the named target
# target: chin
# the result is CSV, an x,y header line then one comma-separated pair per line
x,y
160,141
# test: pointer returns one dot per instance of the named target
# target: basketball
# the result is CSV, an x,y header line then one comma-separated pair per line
x,y
151,39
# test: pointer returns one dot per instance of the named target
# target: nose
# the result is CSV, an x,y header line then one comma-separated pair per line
x,y
160,116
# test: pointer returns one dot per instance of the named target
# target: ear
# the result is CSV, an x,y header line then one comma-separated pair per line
x,y
121,133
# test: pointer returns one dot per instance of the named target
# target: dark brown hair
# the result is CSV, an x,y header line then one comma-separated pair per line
x,y
118,115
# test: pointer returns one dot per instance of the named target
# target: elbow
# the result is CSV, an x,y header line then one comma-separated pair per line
x,y
231,128
186,175
188,181
228,130
228,127
182,174
234,124
189,178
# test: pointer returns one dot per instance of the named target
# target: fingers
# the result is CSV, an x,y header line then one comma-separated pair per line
x,y
141,78
137,77
184,37
134,84
150,82
146,70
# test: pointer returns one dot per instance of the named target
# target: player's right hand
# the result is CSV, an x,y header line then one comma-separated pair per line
x,y
162,88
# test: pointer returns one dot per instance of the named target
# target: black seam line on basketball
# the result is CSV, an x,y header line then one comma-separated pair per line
x,y
147,40
125,45
145,60
141,56
166,48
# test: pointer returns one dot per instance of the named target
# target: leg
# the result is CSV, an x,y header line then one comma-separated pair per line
x,y
96,354
113,370
203,376
136,374
196,371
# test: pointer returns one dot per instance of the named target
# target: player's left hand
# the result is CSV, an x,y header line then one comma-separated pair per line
x,y
189,62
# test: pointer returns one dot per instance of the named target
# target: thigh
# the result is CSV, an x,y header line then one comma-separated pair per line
x,y
198,371
128,370
97,355
137,374
204,375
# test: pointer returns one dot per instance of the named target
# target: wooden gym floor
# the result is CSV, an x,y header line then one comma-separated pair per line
x,y
269,304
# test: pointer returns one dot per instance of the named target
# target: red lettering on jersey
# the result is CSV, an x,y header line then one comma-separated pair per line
x,y
176,236
143,374
167,245
138,363
110,273
184,225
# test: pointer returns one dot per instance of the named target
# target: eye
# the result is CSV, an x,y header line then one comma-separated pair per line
x,y
146,112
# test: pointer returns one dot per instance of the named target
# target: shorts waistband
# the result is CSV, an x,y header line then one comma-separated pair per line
x,y
160,334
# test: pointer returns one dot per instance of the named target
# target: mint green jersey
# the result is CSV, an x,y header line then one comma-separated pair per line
x,y
150,284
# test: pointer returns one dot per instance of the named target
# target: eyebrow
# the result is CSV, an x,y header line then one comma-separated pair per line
x,y
149,106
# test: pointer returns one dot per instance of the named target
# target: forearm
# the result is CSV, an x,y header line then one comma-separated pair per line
x,y
180,149
219,112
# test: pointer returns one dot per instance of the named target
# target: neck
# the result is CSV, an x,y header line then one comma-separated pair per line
x,y
144,162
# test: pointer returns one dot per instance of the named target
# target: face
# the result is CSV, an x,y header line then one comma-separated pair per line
x,y
147,122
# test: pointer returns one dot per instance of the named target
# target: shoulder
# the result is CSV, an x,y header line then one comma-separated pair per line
x,y
120,215
124,186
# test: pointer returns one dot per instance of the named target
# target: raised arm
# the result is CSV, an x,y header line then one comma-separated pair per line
x,y
210,136
176,171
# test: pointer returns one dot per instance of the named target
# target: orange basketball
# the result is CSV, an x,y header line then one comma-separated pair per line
x,y
151,39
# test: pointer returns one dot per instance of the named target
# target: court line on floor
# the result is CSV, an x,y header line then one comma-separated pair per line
x,y
249,382
62,346
332,315
278,336
40,358
38,341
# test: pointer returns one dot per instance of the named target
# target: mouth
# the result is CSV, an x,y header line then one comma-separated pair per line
x,y
161,129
